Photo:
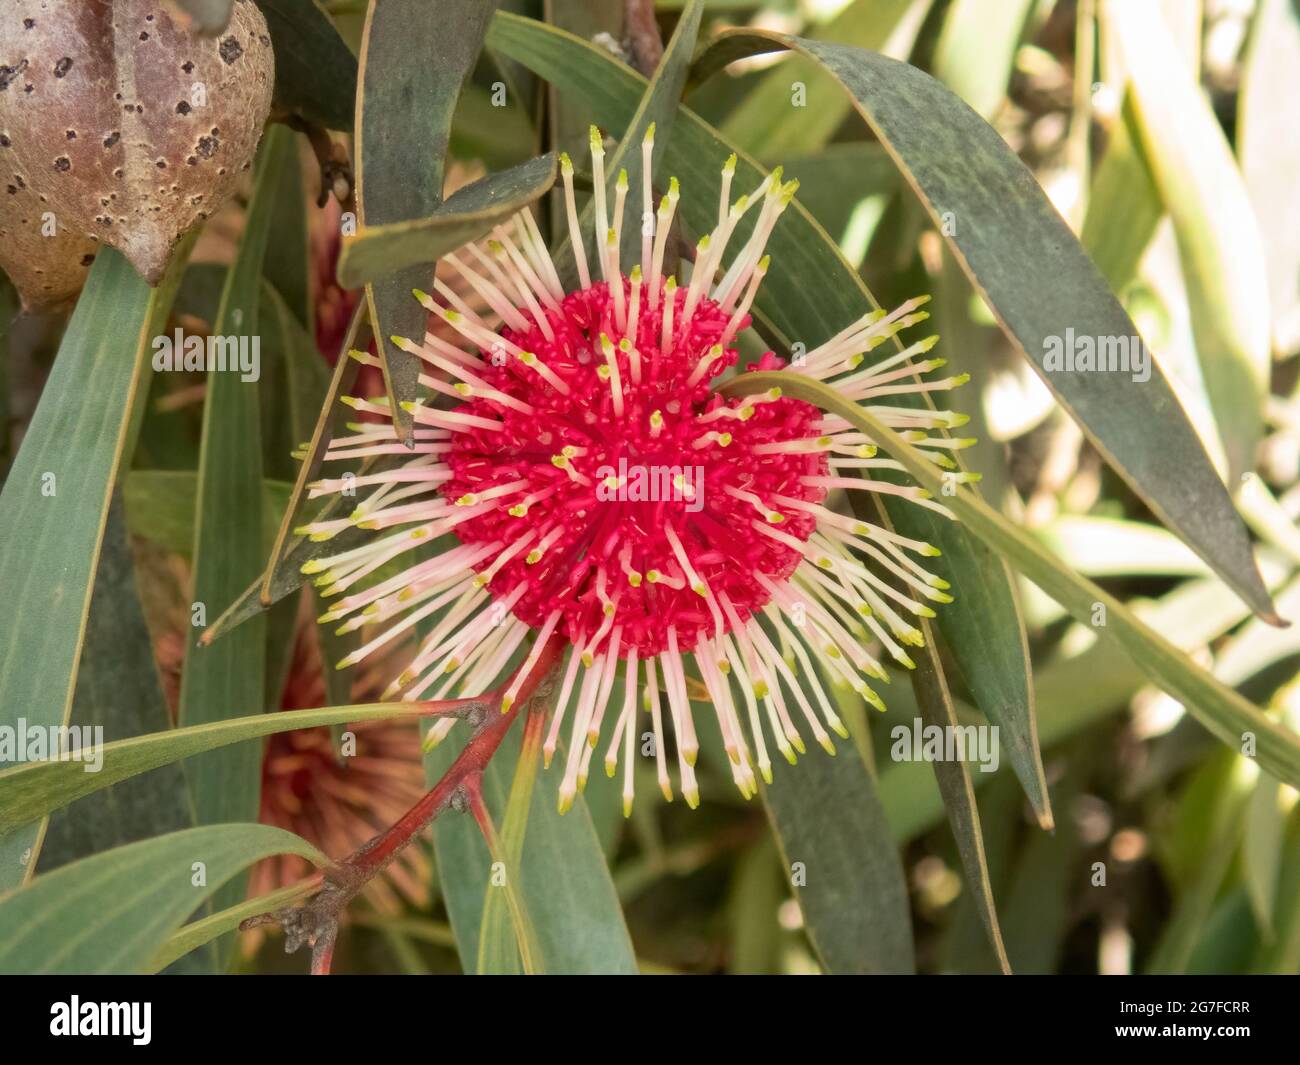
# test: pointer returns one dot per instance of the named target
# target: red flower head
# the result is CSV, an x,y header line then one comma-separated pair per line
x,y
598,487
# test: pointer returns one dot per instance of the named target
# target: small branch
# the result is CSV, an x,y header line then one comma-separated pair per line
x,y
335,170
643,38
317,922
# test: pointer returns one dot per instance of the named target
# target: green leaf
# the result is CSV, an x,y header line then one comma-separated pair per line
x,y
976,50
768,123
1076,690
1268,146
569,118
1262,846
1218,238
657,106
954,779
566,887
110,913
837,851
1217,833
507,941
219,680
315,72
1124,205
55,501
1112,547
1011,243
378,250
1222,711
160,506
283,573
191,936
402,127
287,266
118,691
33,789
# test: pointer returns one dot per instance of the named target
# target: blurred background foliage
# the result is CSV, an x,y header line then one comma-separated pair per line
x,y
1176,162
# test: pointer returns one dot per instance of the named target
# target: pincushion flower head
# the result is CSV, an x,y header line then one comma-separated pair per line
x,y
596,486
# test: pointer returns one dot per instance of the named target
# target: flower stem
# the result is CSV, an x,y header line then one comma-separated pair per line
x,y
317,922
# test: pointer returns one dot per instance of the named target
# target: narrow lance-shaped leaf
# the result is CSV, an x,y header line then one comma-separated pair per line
x,y
934,702
1218,238
119,691
657,107
507,941
1268,145
110,913
378,250
781,117
403,121
55,502
219,681
191,936
31,790
1045,292
954,779
841,859
315,71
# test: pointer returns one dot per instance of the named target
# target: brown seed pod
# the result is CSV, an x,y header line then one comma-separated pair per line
x,y
124,125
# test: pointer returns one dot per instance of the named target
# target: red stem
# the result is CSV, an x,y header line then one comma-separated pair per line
x,y
317,923
472,760
476,755
642,29
322,956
